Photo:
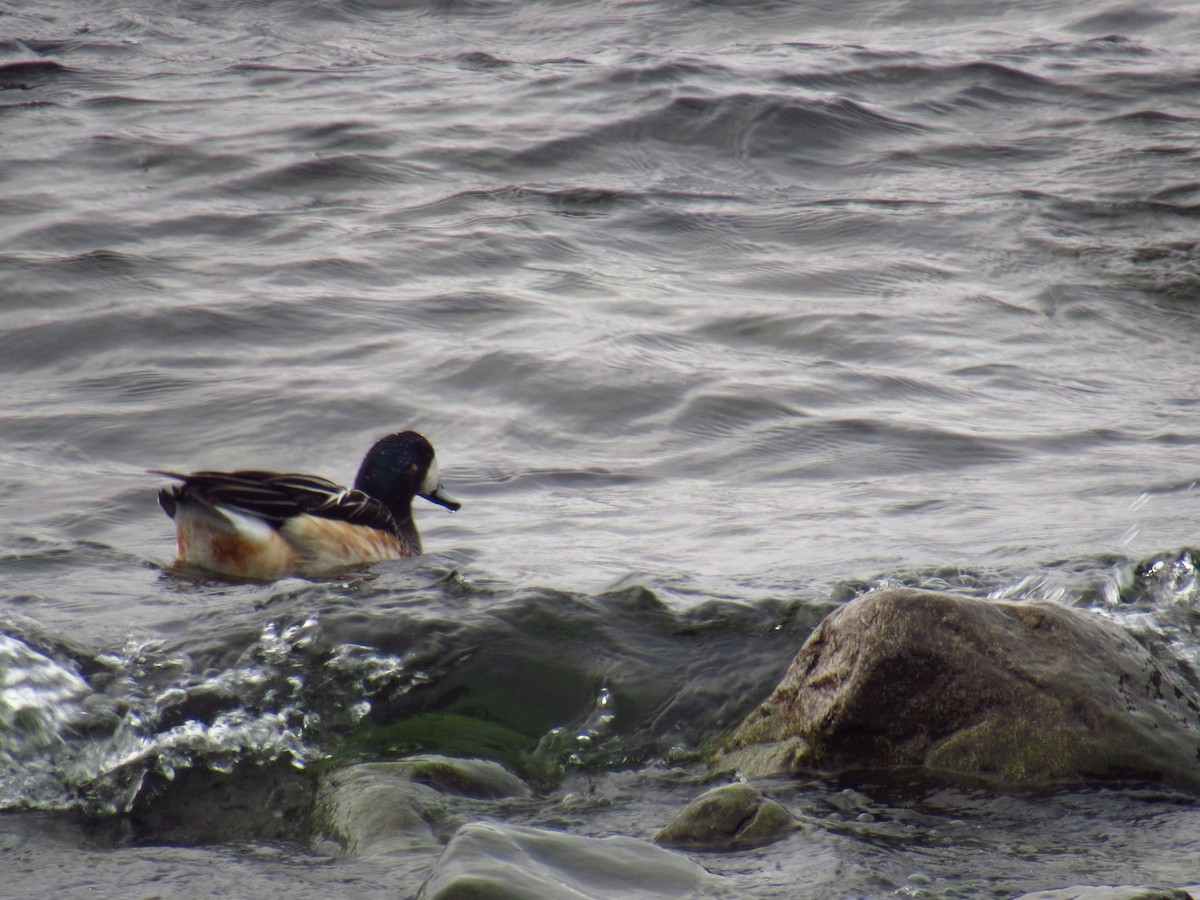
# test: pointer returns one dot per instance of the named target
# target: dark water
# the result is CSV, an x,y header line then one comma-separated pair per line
x,y
716,313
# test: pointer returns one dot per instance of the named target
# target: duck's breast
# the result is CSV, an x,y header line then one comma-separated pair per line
x,y
324,544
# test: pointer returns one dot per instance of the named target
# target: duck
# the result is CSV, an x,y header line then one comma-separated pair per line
x,y
263,526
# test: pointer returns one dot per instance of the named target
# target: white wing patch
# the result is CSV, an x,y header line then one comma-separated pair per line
x,y
227,541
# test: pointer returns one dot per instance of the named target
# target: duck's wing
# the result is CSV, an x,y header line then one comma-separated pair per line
x,y
276,497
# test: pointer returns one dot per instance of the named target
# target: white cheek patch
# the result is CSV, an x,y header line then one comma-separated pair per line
x,y
432,479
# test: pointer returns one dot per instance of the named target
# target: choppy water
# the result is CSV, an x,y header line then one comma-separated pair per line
x,y
716,313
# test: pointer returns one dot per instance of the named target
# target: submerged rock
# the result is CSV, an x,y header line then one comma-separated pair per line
x,y
729,817
481,778
1019,693
374,808
371,809
506,862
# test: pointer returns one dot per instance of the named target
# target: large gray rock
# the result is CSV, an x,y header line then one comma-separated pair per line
x,y
490,861
1018,693
730,817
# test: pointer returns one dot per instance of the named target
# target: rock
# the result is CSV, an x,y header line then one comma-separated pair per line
x,y
514,862
729,817
371,809
199,805
1016,693
374,809
481,778
1119,892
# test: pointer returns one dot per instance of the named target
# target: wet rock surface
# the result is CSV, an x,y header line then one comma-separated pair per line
x,y
378,808
481,778
373,809
1015,693
493,860
729,817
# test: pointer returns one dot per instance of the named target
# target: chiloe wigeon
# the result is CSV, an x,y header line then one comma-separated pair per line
x,y
268,525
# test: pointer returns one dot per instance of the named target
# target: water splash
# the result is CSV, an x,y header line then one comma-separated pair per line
x,y
566,747
41,702
72,741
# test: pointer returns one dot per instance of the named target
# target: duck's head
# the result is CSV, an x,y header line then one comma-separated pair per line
x,y
402,466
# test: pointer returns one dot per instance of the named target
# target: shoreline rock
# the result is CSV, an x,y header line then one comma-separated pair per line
x,y
1015,693
382,808
730,817
491,859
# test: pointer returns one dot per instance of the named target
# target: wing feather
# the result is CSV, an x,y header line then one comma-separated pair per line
x,y
277,497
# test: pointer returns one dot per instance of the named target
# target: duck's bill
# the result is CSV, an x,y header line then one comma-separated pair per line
x,y
441,498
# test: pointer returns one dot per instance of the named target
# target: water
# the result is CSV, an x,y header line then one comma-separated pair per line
x,y
716,313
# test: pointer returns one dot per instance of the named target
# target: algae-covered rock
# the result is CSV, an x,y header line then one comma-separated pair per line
x,y
457,736
729,817
1018,693
513,862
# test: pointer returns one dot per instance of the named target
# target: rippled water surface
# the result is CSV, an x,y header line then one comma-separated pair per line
x,y
716,314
